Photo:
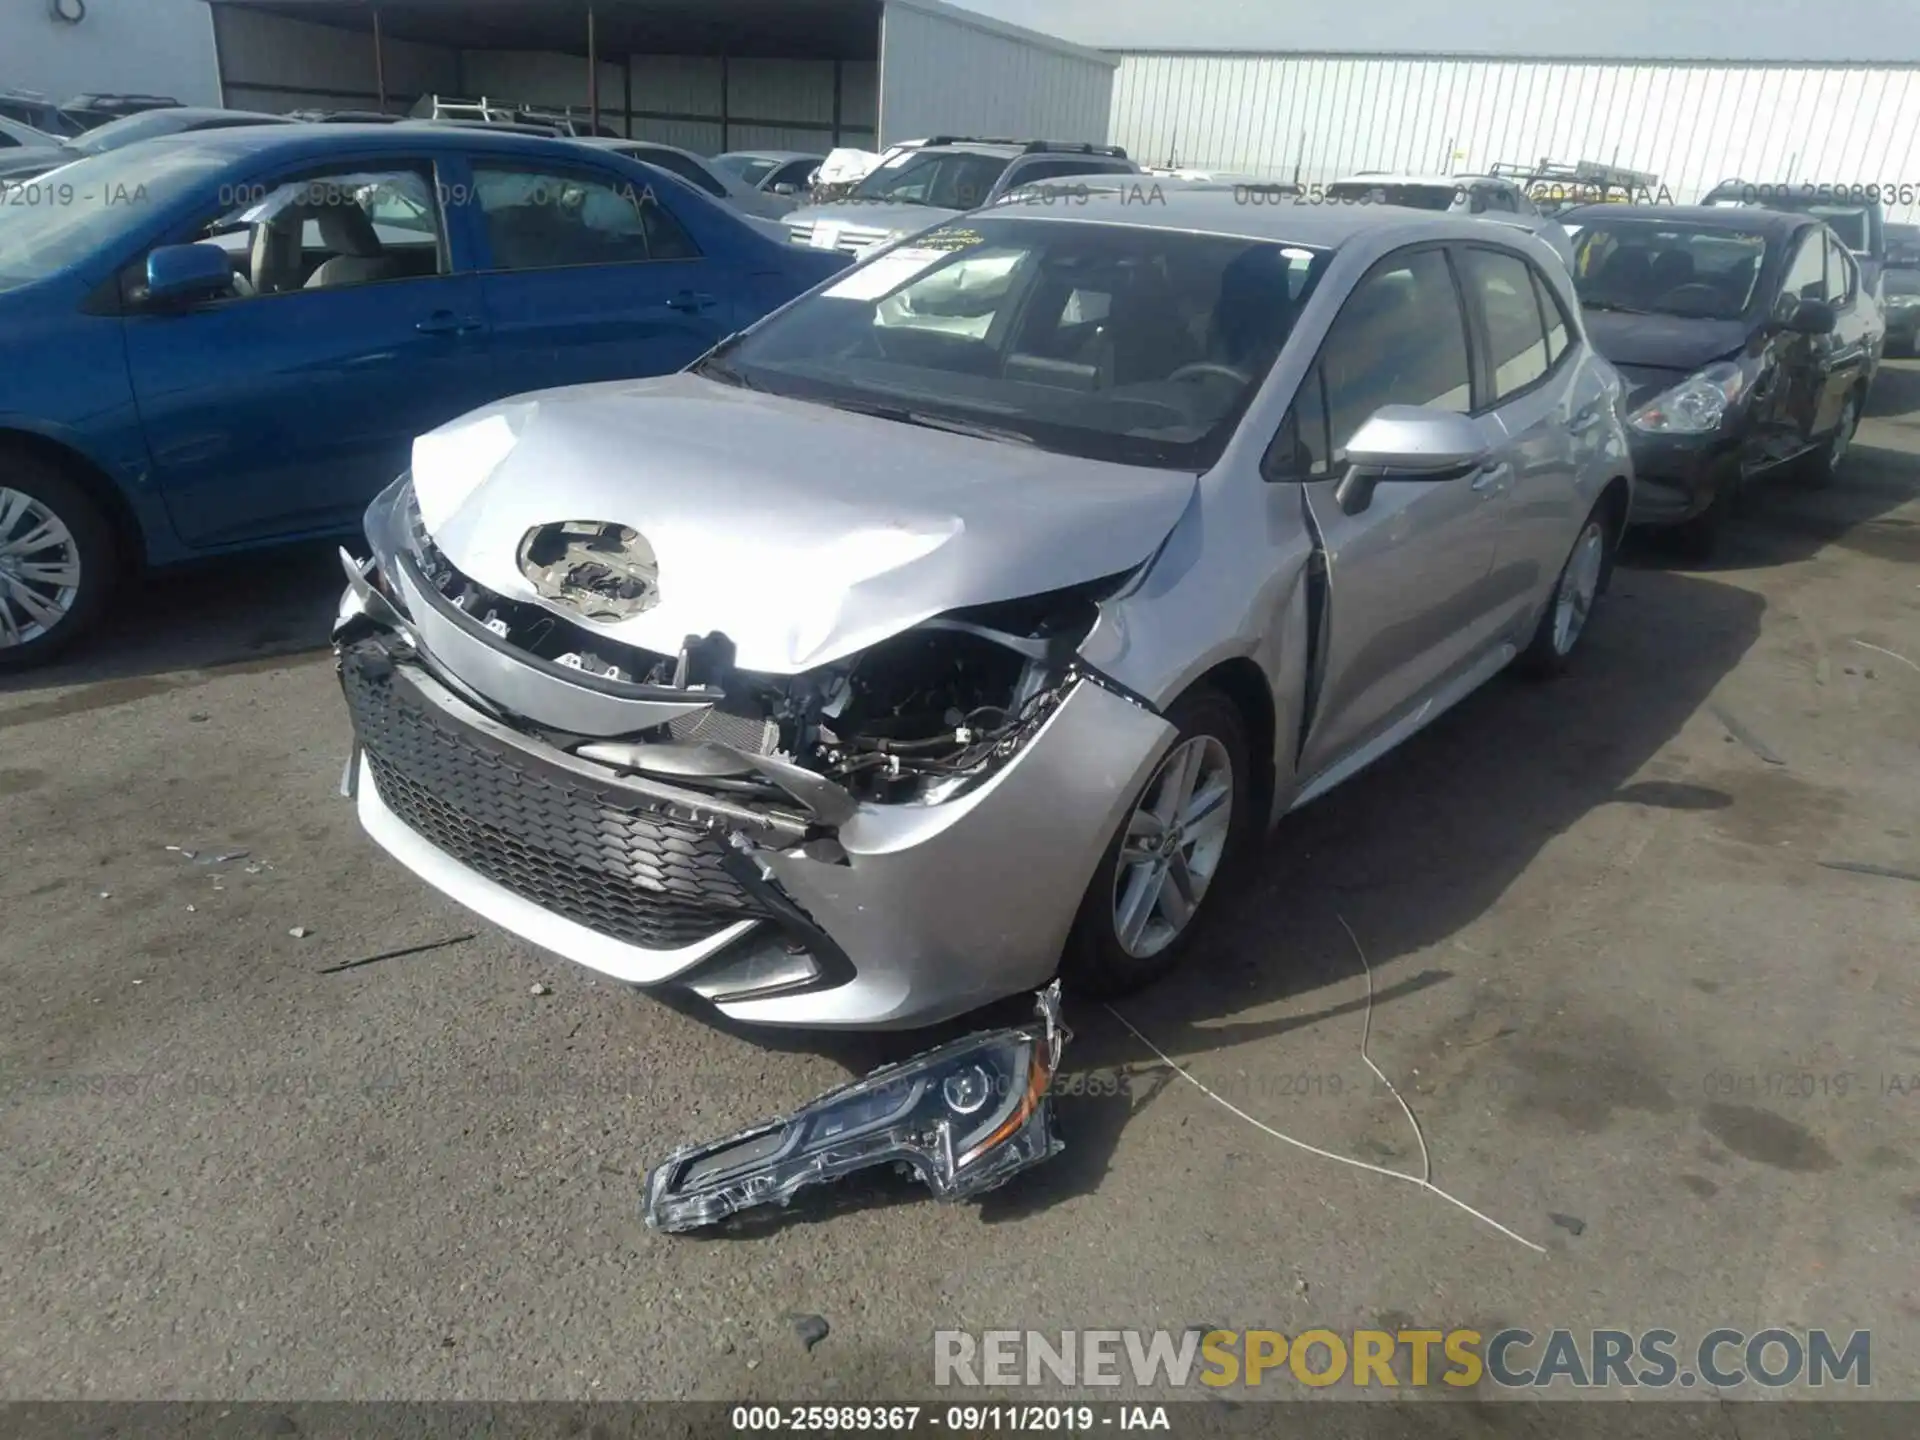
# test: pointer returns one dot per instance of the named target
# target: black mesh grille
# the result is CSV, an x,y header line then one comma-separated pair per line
x,y
611,865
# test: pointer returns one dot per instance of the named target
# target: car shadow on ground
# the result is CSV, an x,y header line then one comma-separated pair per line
x,y
240,610
1409,853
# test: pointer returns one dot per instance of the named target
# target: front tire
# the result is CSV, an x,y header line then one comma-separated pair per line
x,y
1174,851
1570,607
1822,467
58,562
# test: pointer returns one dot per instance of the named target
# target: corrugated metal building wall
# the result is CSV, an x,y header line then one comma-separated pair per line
x,y
949,71
1323,116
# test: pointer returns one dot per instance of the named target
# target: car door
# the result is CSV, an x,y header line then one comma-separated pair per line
x,y
1409,607
589,276
1791,409
284,407
1845,353
1553,417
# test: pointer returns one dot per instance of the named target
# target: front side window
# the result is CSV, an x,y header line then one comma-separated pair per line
x,y
1399,340
547,220
949,180
1807,277
1118,343
1840,272
328,231
1516,334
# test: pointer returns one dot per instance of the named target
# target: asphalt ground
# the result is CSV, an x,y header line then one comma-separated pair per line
x,y
1644,946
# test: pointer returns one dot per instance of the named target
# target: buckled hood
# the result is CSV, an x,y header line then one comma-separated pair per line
x,y
802,533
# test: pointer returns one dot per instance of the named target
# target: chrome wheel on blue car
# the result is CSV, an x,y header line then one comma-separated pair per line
x,y
56,561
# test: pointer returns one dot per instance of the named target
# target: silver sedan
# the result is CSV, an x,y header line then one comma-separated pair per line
x,y
960,623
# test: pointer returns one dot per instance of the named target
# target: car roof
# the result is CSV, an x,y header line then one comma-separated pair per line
x,y
776,154
1217,209
1750,218
1406,179
321,140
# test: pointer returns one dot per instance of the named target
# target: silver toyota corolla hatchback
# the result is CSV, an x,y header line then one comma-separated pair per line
x,y
959,623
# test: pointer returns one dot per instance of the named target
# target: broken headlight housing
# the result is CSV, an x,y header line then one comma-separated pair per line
x,y
964,1118
1696,405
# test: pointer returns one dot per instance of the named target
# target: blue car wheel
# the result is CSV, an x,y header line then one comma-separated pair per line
x,y
57,561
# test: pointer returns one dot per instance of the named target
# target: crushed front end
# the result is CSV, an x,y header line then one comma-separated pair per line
x,y
884,841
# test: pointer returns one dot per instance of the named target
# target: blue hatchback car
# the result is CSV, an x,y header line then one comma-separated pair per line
x,y
229,339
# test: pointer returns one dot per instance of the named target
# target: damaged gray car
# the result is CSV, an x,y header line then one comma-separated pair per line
x,y
953,627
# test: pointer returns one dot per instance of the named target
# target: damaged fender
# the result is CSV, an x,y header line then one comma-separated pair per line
x,y
964,1119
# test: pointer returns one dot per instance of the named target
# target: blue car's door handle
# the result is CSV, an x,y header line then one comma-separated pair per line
x,y
689,301
445,322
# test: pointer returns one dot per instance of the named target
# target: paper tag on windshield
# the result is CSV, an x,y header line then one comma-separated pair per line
x,y
880,278
826,236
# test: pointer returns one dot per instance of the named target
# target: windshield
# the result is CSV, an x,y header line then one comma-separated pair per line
x,y
1415,196
58,219
1902,282
1119,343
1700,271
950,180
13,133
127,129
750,168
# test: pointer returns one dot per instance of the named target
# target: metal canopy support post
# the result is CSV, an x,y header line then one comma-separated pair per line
x,y
379,61
593,71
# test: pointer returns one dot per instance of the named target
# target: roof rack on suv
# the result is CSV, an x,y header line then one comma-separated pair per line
x,y
547,119
1031,147
1037,147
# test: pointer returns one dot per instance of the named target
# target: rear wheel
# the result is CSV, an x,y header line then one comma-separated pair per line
x,y
57,561
1823,465
1161,872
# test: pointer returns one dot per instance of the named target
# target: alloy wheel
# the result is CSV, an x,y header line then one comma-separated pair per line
x,y
1174,842
1843,434
39,569
1579,585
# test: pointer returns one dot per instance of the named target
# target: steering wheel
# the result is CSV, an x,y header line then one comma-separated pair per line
x,y
1195,369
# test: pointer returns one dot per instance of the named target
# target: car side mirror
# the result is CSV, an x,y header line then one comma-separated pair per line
x,y
786,188
1811,317
181,273
1408,442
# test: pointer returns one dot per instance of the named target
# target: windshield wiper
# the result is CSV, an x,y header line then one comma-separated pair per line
x,y
1614,306
905,416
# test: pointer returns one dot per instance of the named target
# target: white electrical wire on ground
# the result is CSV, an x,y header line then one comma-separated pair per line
x,y
1424,1180
1881,649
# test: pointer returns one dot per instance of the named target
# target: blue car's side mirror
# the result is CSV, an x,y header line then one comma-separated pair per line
x,y
188,272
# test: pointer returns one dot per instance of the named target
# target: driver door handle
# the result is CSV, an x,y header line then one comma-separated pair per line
x,y
1493,479
1586,420
691,302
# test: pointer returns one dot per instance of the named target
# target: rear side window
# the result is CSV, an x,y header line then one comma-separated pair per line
x,y
1399,340
1516,336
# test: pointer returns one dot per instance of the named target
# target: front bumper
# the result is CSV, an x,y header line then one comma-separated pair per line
x,y
1677,477
915,914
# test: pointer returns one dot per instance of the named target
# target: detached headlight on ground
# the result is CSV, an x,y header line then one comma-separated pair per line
x,y
964,1118
1695,406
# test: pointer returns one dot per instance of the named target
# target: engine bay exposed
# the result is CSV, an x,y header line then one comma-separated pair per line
x,y
914,719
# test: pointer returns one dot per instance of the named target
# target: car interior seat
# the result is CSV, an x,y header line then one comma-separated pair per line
x,y
358,256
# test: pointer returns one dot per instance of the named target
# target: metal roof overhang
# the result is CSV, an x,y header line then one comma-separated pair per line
x,y
785,29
